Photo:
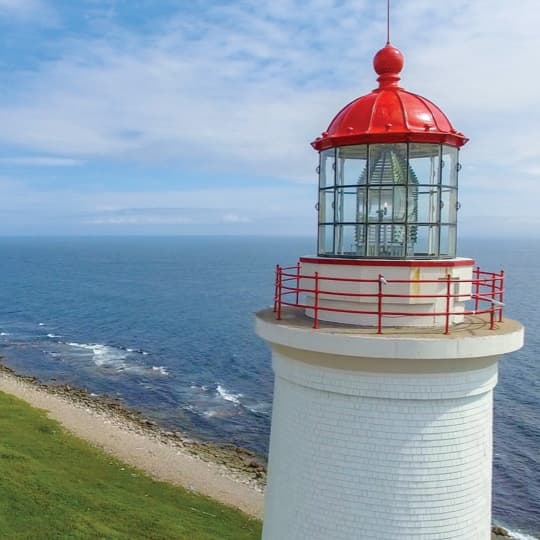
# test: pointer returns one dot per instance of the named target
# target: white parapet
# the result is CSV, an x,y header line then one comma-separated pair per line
x,y
422,284
370,444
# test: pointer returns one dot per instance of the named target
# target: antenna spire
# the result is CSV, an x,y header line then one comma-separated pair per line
x,y
388,22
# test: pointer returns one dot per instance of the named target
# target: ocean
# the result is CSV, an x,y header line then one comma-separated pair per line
x,y
165,324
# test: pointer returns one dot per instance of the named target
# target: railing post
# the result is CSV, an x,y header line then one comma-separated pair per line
x,y
379,304
276,287
493,295
297,282
316,302
477,287
280,284
448,296
501,295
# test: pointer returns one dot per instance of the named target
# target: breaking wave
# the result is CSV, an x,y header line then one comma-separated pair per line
x,y
222,392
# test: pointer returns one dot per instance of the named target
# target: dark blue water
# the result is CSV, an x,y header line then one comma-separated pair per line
x,y
166,324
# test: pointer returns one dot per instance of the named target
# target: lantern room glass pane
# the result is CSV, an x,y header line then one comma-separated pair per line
x,y
449,166
387,164
428,203
448,241
386,240
427,241
349,205
347,241
380,204
327,168
326,239
351,165
449,205
326,206
387,203
424,163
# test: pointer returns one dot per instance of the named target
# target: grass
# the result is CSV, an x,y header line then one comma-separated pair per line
x,y
55,486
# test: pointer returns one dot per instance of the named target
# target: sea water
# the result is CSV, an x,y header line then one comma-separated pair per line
x,y
166,325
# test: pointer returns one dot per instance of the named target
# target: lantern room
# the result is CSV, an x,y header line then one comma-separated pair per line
x,y
388,174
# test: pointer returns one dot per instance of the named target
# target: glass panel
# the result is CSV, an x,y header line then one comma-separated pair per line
x,y
387,163
428,204
448,205
349,205
326,206
361,237
427,241
348,241
380,206
424,163
327,168
449,166
326,239
399,203
386,241
448,241
352,165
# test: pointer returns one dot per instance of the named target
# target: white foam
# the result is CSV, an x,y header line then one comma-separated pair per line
x,y
5,334
228,396
210,413
103,355
53,336
520,536
261,408
41,324
196,387
162,370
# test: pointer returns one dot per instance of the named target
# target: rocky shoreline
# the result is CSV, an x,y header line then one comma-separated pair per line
x,y
241,462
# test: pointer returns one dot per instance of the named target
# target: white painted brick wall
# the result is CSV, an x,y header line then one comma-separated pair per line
x,y
364,456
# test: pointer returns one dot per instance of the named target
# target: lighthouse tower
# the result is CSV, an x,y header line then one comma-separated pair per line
x,y
385,344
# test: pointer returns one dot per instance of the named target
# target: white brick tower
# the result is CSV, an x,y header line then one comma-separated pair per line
x,y
385,345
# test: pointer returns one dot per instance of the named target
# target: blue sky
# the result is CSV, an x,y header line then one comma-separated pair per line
x,y
176,117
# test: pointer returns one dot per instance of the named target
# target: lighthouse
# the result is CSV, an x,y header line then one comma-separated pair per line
x,y
385,343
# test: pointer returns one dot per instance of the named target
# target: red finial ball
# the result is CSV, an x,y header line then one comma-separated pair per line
x,y
388,60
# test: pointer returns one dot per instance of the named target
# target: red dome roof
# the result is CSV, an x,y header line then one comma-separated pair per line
x,y
389,113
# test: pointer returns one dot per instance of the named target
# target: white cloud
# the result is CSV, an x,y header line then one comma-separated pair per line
x,y
41,161
235,218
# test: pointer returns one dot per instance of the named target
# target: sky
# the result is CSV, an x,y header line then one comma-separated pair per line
x,y
195,117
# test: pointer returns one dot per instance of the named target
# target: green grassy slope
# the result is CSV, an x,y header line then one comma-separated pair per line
x,y
53,485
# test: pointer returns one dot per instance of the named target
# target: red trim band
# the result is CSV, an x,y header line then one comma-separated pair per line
x,y
441,263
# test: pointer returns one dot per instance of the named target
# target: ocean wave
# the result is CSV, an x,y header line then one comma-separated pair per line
x,y
203,388
520,536
41,324
261,408
136,351
162,370
53,336
5,334
103,355
117,358
223,393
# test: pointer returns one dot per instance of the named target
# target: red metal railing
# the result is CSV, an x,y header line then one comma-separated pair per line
x,y
486,295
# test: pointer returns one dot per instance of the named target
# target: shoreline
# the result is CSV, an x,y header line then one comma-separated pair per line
x,y
231,475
